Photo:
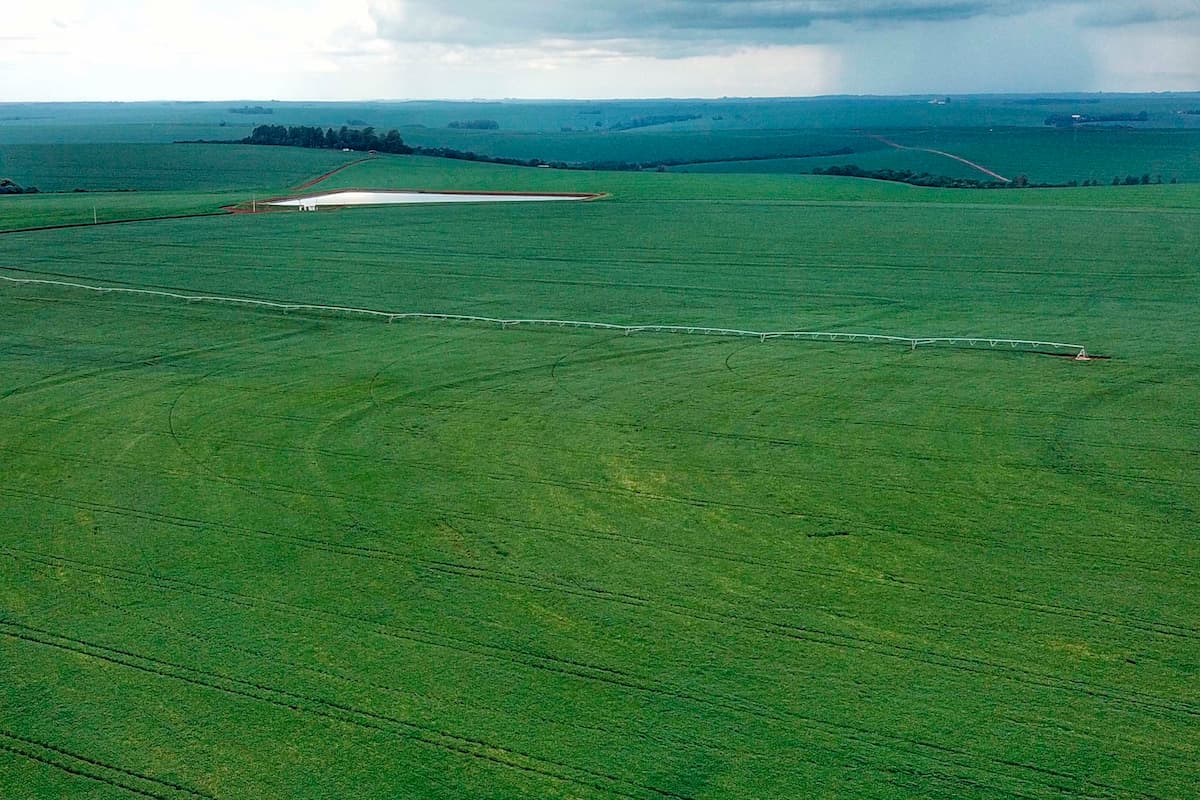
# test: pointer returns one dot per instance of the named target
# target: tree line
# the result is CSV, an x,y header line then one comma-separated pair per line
x,y
915,178
365,139
346,138
9,187
946,182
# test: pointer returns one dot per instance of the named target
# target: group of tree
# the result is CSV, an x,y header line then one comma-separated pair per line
x,y
9,187
946,182
916,178
476,124
662,164
344,139
652,120
252,110
1134,180
935,181
365,139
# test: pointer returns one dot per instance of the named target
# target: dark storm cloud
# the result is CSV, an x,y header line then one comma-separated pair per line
x,y
731,22
1120,14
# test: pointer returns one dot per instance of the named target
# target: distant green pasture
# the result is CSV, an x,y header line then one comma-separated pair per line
x,y
1057,156
879,159
164,167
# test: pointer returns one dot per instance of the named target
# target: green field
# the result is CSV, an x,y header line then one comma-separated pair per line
x,y
878,159
164,167
1057,156
262,554
58,146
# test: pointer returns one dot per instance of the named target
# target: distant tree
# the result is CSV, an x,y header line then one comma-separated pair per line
x,y
1146,179
314,137
476,124
392,143
1116,181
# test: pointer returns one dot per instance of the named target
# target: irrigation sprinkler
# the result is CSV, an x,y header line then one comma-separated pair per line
x,y
1027,345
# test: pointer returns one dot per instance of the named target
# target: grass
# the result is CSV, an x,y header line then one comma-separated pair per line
x,y
164,167
125,182
28,211
763,189
44,210
883,158
252,554
640,146
1057,156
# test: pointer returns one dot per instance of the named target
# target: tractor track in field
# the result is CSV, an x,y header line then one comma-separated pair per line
x,y
110,222
810,635
675,741
338,675
201,463
306,704
258,488
223,212
949,756
344,417
66,377
94,769
1092,616
1098,618
314,181
632,424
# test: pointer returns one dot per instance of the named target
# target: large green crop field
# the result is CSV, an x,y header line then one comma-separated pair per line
x,y
164,167
251,553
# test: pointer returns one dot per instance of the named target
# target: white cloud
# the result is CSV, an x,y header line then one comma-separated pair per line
x,y
331,49
1147,57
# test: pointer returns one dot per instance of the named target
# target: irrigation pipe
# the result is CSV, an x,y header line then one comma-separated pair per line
x,y
1065,348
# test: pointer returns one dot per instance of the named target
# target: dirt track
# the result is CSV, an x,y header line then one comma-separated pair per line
x,y
309,184
960,159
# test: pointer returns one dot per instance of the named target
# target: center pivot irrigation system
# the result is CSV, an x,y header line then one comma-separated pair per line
x,y
1076,351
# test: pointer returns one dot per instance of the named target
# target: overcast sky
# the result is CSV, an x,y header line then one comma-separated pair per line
x,y
400,49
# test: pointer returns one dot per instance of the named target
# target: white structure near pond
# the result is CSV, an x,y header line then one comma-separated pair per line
x,y
356,198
